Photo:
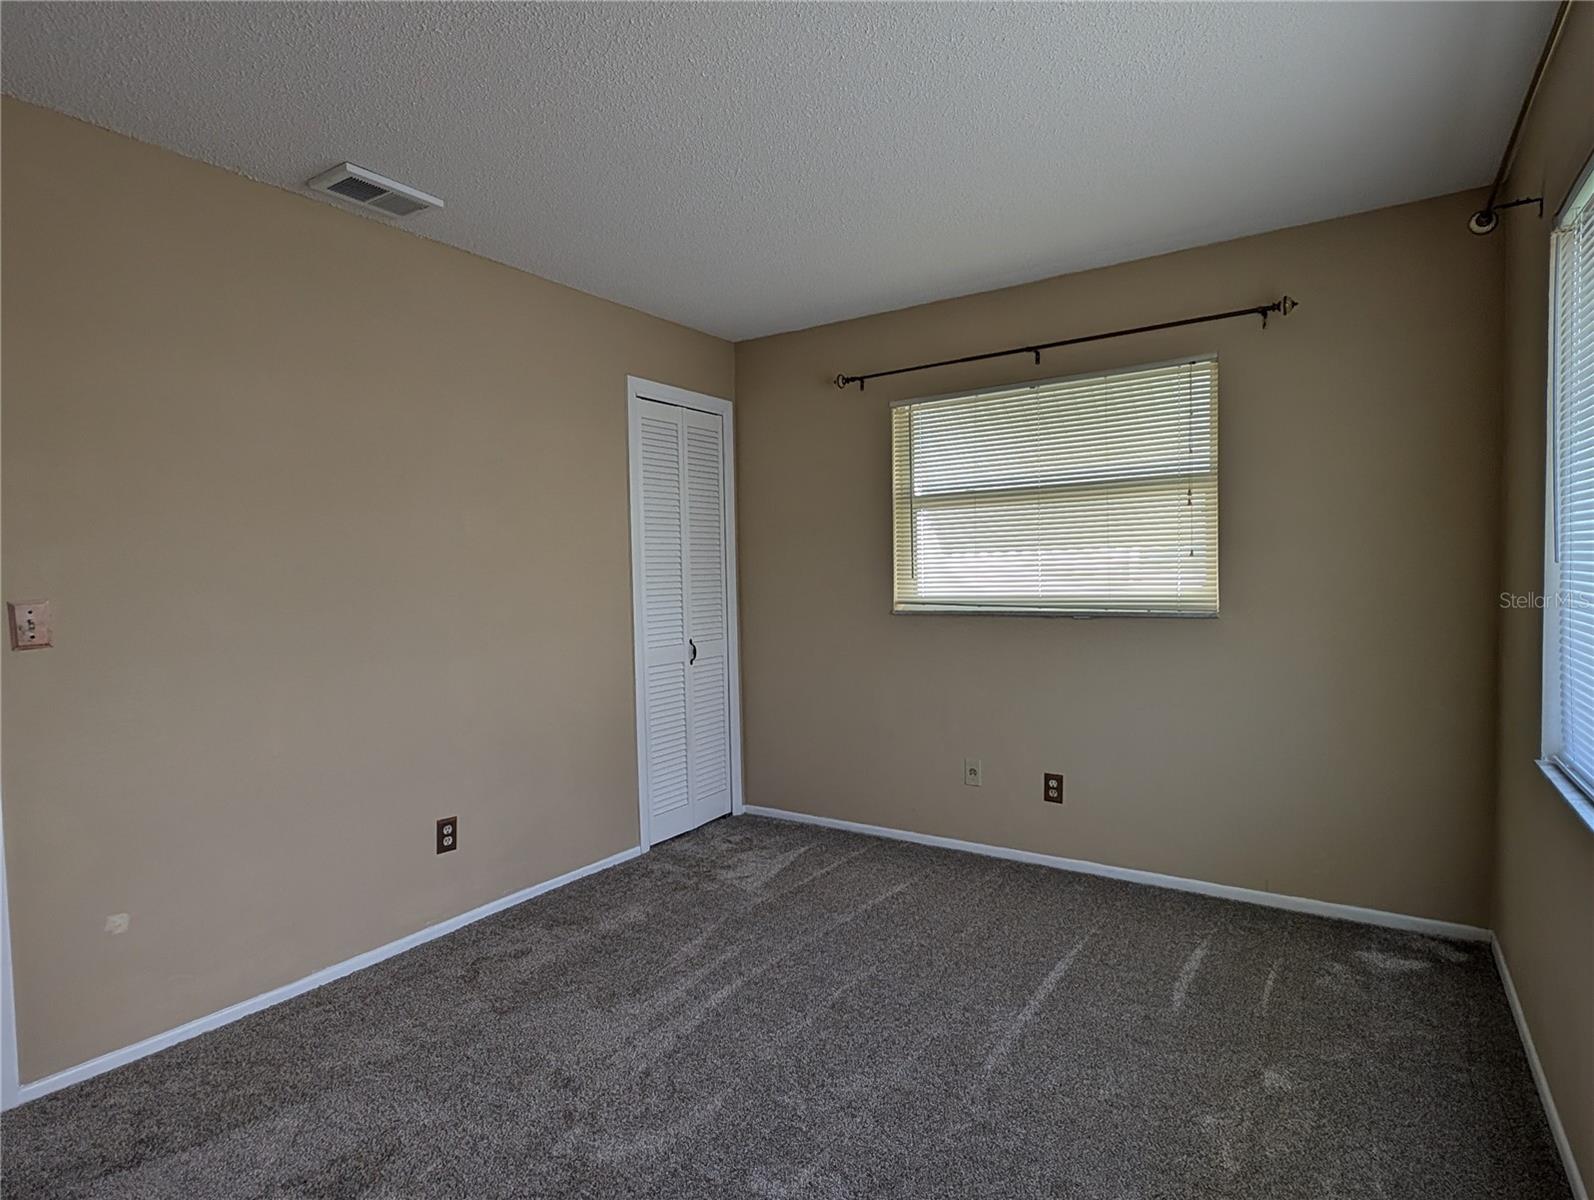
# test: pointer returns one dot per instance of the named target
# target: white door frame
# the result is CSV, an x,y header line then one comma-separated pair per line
x,y
636,391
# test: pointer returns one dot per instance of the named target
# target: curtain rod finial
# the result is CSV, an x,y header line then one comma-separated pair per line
x,y
1287,305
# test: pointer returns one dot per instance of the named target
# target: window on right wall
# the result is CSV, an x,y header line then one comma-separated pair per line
x,y
1569,549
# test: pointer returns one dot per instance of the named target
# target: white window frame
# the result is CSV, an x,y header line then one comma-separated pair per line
x,y
1576,791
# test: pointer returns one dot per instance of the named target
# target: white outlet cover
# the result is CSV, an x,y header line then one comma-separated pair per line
x,y
972,775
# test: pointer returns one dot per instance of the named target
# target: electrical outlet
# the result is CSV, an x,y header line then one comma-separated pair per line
x,y
971,772
1054,789
30,624
447,834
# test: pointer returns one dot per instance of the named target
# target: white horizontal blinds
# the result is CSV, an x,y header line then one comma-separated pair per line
x,y
1095,494
1572,351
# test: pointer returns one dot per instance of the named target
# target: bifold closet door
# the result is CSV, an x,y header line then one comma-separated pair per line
x,y
686,694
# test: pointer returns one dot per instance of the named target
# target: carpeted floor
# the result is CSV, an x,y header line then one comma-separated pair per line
x,y
761,1009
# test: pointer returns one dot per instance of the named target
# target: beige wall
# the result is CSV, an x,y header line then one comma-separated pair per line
x,y
334,520
1330,735
1544,870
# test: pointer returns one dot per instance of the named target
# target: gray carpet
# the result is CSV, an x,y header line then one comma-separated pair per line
x,y
761,1009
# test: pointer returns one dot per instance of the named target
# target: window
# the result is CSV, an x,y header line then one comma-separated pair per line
x,y
1091,495
1569,569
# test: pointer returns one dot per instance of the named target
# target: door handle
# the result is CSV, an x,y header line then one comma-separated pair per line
x,y
692,644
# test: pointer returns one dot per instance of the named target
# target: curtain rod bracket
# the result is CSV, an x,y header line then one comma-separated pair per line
x,y
1486,219
1284,305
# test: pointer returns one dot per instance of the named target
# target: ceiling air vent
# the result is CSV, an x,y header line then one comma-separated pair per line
x,y
370,190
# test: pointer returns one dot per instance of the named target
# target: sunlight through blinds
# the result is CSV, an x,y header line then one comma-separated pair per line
x,y
1572,400
1090,495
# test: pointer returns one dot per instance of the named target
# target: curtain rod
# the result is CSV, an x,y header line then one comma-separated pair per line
x,y
1488,217
1283,306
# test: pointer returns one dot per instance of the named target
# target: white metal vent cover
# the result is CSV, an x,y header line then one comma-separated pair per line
x,y
370,190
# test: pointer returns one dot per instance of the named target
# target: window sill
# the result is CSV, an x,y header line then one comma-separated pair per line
x,y
1075,614
1574,795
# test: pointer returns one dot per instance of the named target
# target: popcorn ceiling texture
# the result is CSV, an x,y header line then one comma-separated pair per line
x,y
760,1009
749,169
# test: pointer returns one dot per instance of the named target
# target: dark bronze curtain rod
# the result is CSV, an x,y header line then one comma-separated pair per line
x,y
1282,306
1488,217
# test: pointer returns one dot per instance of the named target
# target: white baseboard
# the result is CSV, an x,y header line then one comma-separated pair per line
x,y
127,1054
1371,916
1321,908
1573,1175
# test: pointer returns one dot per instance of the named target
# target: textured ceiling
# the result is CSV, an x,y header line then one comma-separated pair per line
x,y
747,169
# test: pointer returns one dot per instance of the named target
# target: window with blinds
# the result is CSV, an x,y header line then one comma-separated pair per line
x,y
1569,623
1085,496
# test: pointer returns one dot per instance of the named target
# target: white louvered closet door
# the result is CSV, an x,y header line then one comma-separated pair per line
x,y
686,698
